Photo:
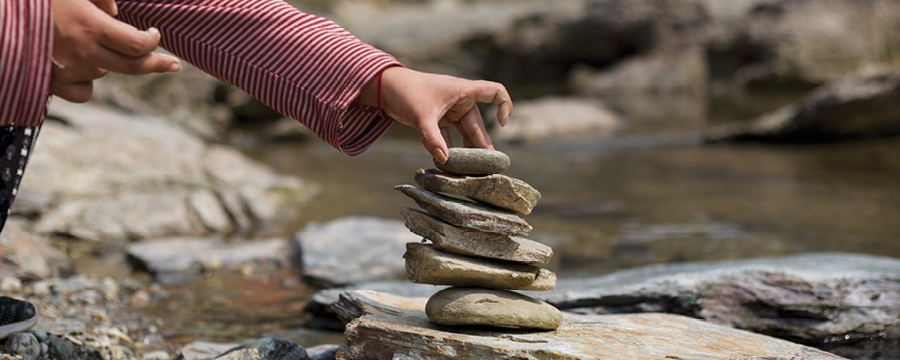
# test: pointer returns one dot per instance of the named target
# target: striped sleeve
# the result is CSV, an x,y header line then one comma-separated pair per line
x,y
302,65
26,42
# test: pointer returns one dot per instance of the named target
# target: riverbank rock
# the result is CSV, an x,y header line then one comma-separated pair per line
x,y
866,104
476,306
495,189
351,250
383,326
463,241
25,255
425,265
833,297
119,177
473,161
467,214
174,260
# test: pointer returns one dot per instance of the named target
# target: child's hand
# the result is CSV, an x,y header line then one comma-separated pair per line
x,y
431,103
88,42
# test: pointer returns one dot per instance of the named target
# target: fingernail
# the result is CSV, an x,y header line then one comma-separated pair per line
x,y
115,9
153,31
174,68
505,121
439,155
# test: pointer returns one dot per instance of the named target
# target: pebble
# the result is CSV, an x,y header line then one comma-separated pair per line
x,y
474,161
425,265
499,190
466,213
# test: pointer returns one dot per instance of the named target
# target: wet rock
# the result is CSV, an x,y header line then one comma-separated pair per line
x,y
323,352
384,326
30,256
116,176
558,118
815,296
859,106
473,161
203,350
351,250
483,307
463,241
467,214
425,265
266,349
62,349
323,317
23,344
498,190
173,260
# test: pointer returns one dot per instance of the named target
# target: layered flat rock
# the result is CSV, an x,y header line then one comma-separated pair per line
x,y
474,161
384,326
426,265
466,213
496,189
483,307
464,241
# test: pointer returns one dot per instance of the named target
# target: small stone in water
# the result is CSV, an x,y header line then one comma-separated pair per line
x,y
474,161
474,306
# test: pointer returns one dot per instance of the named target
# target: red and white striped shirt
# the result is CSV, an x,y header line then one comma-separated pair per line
x,y
302,65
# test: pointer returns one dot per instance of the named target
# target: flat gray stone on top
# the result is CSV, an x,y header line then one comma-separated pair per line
x,y
397,327
425,265
467,214
352,250
496,189
464,241
458,306
817,296
474,161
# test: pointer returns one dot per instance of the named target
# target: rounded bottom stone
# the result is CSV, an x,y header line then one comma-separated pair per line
x,y
456,306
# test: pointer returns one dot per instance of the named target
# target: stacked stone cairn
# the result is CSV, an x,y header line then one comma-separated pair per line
x,y
478,246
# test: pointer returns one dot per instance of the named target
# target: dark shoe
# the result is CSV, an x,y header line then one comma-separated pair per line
x,y
15,316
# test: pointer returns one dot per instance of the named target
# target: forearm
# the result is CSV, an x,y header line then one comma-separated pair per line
x,y
302,65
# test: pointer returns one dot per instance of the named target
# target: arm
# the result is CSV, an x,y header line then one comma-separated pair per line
x,y
25,44
301,65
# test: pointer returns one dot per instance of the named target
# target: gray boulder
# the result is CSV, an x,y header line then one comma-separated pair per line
x,y
111,176
810,297
866,104
266,349
352,250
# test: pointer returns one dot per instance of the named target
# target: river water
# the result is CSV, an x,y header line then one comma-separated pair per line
x,y
631,200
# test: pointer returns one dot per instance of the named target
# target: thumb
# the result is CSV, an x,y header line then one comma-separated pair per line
x,y
433,140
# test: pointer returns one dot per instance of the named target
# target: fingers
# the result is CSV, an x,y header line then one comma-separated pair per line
x,y
126,39
491,92
433,140
471,127
77,92
145,64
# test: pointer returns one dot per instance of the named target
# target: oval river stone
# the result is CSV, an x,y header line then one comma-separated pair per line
x,y
475,306
473,161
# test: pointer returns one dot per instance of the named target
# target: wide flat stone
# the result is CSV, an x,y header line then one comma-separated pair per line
x,y
485,307
425,265
496,189
351,250
466,213
816,297
474,161
384,326
464,241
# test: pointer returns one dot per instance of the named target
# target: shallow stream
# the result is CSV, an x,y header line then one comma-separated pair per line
x,y
629,201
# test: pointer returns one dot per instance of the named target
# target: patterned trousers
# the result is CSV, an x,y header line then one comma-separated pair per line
x,y
16,143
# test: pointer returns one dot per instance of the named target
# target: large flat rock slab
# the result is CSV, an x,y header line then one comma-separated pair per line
x,y
384,326
812,297
466,213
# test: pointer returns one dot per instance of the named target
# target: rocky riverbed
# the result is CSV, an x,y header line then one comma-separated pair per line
x,y
133,204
